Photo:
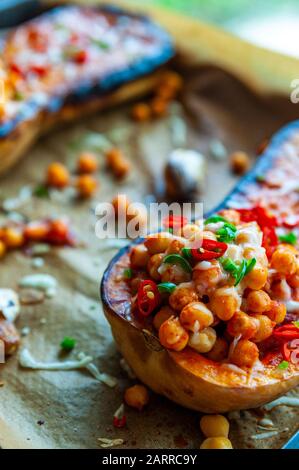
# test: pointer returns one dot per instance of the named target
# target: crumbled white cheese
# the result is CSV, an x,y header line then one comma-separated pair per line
x,y
100,376
28,362
43,282
105,443
9,304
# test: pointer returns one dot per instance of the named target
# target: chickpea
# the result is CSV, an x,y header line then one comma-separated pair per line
x,y
58,175
137,396
158,242
225,302
203,341
172,80
190,230
175,246
117,162
172,335
284,261
265,328
257,278
257,252
153,265
258,301
244,354
242,324
214,426
208,234
139,256
182,295
216,443
87,163
277,312
13,237
162,315
86,185
10,336
174,273
205,279
231,216
158,106
196,316
141,112
2,249
239,162
36,231
219,351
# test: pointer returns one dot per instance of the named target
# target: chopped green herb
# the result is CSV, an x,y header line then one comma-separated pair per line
x,y
178,259
68,343
128,273
283,365
214,219
238,271
41,191
101,44
229,265
186,252
289,238
166,287
227,233
296,323
241,272
250,265
170,230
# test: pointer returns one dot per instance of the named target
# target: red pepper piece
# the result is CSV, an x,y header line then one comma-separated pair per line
x,y
210,249
40,70
148,297
286,335
80,57
270,240
119,422
272,358
291,222
16,69
174,221
260,215
58,233
287,326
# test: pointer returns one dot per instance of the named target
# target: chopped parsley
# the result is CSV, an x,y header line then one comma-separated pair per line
x,y
238,270
68,343
214,219
289,238
283,365
128,273
41,191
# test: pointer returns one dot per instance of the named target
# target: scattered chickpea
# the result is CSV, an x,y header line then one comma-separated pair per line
x,y
137,396
258,301
2,249
117,162
158,107
196,316
257,278
242,324
277,312
153,265
87,163
244,354
182,295
216,443
158,242
175,247
13,237
172,335
284,261
58,175
225,305
219,350
214,426
174,273
239,162
86,186
141,112
139,256
205,279
162,315
265,328
203,341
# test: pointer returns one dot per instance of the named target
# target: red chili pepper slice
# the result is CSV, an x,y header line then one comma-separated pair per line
x,y
291,221
119,422
148,297
270,240
287,326
16,69
258,214
210,249
286,335
39,70
174,221
80,57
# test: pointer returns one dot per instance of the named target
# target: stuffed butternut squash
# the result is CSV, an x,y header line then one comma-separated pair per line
x,y
209,313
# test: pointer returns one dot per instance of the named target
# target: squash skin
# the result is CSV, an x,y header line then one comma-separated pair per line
x,y
85,97
188,378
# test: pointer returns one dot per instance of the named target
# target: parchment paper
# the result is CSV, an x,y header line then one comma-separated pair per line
x,y
40,409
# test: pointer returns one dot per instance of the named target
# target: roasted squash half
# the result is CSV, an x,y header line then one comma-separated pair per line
x,y
71,61
186,377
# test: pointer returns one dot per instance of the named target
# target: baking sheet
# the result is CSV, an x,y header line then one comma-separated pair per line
x,y
43,409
